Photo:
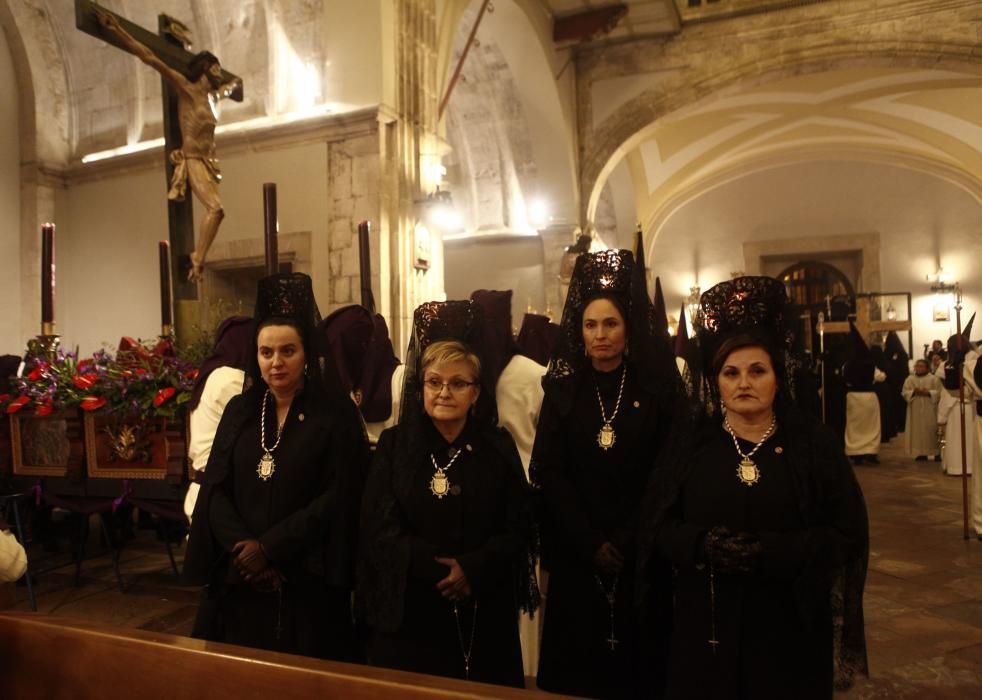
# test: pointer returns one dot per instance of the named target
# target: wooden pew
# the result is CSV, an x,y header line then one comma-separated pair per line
x,y
50,657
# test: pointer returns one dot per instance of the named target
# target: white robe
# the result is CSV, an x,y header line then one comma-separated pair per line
x,y
921,428
222,384
971,358
950,417
863,420
519,396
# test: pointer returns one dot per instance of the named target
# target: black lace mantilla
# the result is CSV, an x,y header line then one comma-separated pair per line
x,y
287,295
741,305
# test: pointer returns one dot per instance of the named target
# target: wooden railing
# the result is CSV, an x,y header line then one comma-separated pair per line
x,y
53,658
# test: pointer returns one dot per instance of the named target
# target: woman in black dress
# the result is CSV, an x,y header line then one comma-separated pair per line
x,y
446,525
274,525
612,392
763,520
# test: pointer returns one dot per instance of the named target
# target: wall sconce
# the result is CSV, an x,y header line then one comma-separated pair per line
x,y
439,212
673,326
940,282
692,303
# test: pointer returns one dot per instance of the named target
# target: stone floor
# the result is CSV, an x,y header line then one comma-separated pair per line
x,y
923,593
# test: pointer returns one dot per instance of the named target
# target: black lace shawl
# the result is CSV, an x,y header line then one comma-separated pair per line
x,y
610,273
385,549
384,554
828,496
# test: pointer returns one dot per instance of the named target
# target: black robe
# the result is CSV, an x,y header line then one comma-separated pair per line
x,y
774,626
305,516
591,496
481,523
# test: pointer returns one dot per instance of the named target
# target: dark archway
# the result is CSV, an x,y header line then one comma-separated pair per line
x,y
811,282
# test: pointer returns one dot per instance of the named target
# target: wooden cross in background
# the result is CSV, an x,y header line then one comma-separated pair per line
x,y
171,47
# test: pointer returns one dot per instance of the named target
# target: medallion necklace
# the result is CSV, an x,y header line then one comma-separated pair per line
x,y
439,483
266,464
606,436
747,471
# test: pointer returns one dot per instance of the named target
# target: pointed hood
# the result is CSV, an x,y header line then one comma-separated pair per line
x,y
660,319
682,336
857,344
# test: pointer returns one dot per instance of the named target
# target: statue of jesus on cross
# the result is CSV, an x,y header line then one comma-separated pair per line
x,y
198,93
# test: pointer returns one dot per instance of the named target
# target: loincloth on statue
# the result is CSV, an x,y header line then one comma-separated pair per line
x,y
179,180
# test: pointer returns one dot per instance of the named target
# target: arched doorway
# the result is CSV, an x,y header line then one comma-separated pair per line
x,y
811,282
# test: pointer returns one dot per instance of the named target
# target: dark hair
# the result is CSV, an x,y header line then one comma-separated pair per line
x,y
283,321
201,62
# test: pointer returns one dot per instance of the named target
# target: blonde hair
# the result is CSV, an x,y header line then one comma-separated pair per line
x,y
443,351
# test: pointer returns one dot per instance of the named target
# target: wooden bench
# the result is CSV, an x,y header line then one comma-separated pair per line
x,y
51,657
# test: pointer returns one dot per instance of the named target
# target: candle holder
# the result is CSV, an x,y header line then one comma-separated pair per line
x,y
45,345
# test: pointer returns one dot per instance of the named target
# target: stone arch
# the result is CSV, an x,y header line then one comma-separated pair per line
x,y
958,177
530,135
634,120
42,83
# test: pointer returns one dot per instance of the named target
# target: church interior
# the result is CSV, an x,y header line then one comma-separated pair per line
x,y
833,144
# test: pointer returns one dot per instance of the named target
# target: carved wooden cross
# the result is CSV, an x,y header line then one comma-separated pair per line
x,y
171,47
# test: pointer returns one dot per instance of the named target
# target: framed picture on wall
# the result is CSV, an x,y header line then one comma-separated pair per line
x,y
942,312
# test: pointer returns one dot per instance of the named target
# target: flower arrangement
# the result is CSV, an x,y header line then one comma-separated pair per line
x,y
140,381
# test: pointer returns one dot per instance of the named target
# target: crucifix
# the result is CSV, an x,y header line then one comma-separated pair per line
x,y
864,321
193,84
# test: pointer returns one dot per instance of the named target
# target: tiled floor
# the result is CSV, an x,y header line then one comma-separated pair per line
x,y
923,593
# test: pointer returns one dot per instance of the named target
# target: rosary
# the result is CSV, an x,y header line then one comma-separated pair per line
x,y
611,596
460,638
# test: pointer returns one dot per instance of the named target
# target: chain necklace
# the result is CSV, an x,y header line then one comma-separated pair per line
x,y
439,483
611,596
266,463
460,638
606,436
747,471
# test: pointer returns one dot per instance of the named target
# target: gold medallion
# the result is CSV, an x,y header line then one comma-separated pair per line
x,y
748,472
439,484
266,466
606,437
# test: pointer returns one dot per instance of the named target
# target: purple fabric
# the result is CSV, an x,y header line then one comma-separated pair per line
x,y
376,380
345,336
537,338
233,346
497,342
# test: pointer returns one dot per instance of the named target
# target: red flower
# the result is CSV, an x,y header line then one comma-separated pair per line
x,y
92,403
191,374
4,397
44,409
35,374
163,395
141,371
83,381
18,404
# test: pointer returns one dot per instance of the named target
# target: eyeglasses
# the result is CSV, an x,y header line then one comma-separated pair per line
x,y
456,386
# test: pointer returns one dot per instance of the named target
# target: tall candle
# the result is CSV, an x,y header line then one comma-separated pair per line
x,y
365,266
271,228
166,293
47,278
